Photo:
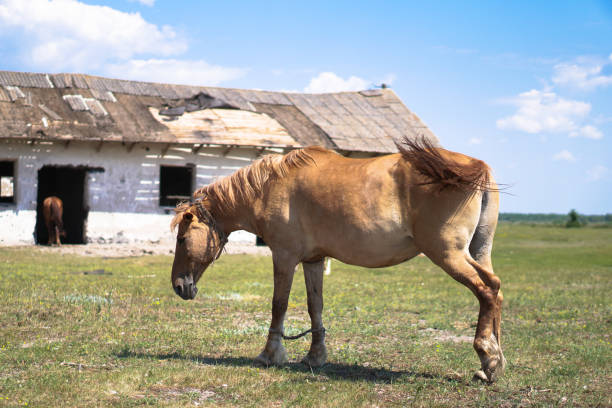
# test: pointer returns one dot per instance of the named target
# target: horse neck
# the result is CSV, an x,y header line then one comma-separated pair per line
x,y
238,216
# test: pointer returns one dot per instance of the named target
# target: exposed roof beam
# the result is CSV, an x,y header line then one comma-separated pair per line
x,y
260,151
165,149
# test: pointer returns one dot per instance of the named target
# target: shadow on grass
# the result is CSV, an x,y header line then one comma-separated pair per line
x,y
338,371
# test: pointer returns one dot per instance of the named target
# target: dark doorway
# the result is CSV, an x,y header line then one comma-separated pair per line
x,y
67,183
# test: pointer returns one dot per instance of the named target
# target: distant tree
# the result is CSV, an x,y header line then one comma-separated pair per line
x,y
573,221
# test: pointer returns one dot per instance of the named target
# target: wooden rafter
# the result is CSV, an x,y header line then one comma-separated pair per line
x,y
260,151
165,149
227,150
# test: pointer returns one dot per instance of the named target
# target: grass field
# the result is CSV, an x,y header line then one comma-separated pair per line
x,y
396,336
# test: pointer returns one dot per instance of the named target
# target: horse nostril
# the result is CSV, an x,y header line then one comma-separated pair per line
x,y
178,289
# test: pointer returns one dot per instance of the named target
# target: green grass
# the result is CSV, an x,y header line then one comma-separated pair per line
x,y
396,336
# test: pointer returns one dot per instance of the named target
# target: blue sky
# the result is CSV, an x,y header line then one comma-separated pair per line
x,y
523,85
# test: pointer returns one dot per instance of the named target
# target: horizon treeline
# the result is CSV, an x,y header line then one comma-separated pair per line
x,y
553,218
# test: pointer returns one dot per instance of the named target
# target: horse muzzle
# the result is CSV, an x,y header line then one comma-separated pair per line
x,y
185,287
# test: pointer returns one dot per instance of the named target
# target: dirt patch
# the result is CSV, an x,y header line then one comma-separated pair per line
x,y
437,335
116,250
193,394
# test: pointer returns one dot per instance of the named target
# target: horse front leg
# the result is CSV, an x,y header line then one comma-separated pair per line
x,y
274,353
313,275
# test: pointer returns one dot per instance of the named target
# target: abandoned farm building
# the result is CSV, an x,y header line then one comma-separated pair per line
x,y
121,154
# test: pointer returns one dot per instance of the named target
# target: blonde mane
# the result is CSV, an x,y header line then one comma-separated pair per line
x,y
246,183
180,209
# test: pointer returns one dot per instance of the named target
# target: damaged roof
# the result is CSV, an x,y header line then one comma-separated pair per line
x,y
84,107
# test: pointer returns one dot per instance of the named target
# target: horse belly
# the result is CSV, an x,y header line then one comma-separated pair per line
x,y
372,250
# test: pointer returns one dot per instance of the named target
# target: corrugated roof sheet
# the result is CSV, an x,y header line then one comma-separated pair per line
x,y
95,107
76,102
61,80
103,95
14,92
24,79
367,121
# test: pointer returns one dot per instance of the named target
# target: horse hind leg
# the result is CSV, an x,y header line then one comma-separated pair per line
x,y
485,286
313,275
50,232
488,345
57,236
480,250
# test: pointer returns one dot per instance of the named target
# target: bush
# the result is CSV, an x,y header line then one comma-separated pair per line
x,y
573,221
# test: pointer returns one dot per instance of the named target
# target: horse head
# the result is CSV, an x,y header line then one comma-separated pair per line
x,y
199,243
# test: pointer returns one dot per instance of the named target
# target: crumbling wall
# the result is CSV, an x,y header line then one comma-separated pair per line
x,y
121,188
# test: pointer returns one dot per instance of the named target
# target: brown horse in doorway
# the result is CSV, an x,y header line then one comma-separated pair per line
x,y
313,203
53,210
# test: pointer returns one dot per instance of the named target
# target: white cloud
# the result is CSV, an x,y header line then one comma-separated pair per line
x,y
588,131
149,3
585,74
597,172
174,71
565,155
330,82
544,111
475,141
70,35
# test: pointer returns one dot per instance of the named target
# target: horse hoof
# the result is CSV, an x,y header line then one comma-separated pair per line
x,y
480,376
278,357
495,368
314,362
316,357
492,360
262,360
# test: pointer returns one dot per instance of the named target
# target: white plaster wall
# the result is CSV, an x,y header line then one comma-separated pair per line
x,y
16,227
124,199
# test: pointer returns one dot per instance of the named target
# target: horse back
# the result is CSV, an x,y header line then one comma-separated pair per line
x,y
53,209
351,209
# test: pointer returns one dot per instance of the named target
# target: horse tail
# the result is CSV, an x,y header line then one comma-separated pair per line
x,y
56,210
482,240
59,211
446,169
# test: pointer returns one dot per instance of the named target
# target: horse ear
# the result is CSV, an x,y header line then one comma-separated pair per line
x,y
188,216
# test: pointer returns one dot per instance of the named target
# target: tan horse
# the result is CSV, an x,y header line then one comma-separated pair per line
x,y
53,210
313,203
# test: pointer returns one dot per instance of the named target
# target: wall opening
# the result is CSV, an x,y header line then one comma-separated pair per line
x,y
67,183
175,184
7,181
